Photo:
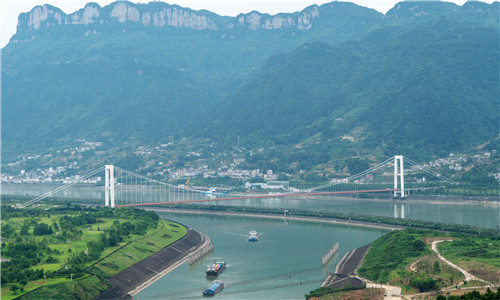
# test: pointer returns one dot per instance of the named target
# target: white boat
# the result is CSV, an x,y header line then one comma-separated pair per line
x,y
210,191
253,236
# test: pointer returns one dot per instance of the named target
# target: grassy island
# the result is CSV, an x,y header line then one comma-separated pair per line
x,y
68,252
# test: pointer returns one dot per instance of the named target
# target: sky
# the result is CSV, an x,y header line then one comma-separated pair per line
x,y
10,9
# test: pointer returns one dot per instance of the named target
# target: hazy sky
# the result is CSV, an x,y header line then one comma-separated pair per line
x,y
10,9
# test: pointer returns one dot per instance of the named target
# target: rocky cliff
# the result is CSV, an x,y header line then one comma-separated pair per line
x,y
158,14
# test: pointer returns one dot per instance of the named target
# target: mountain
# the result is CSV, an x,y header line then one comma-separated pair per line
x,y
432,87
138,73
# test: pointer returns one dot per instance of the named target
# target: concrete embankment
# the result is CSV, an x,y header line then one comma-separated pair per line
x,y
134,279
346,269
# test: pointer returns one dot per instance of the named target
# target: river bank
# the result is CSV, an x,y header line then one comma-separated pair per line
x,y
134,279
432,199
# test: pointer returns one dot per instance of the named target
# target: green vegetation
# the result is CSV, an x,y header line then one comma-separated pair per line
x,y
71,249
402,258
365,96
482,249
328,290
392,252
474,295
142,247
477,254
357,83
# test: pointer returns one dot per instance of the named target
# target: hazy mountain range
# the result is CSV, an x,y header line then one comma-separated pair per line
x,y
423,78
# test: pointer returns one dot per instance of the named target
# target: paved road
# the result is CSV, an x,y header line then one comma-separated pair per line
x,y
468,276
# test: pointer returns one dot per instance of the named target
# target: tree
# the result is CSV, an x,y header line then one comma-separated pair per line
x,y
24,229
7,230
423,283
14,288
42,229
356,165
436,268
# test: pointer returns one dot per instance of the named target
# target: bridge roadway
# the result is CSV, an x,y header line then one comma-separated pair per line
x,y
135,278
259,197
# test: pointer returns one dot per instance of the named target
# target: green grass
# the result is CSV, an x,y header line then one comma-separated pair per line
x,y
143,247
485,250
477,255
445,272
390,257
32,285
137,248
391,254
84,288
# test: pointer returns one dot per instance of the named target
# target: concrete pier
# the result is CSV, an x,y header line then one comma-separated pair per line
x,y
331,252
201,253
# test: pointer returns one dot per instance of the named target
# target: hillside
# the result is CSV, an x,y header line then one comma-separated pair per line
x,y
131,74
138,72
431,87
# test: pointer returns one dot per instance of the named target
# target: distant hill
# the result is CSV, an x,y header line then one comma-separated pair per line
x,y
427,88
425,75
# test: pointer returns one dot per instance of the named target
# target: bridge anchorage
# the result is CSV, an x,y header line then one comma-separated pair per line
x,y
125,188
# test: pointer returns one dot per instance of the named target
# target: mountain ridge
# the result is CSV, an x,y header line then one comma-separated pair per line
x,y
121,81
160,14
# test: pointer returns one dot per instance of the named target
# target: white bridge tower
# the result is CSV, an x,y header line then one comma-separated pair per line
x,y
109,186
399,171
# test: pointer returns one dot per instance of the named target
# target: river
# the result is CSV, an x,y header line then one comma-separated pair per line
x,y
482,214
284,264
286,261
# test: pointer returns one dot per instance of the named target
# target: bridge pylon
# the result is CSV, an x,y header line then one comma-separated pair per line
x,y
399,172
109,186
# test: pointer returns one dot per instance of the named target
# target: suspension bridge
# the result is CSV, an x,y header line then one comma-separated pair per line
x,y
124,188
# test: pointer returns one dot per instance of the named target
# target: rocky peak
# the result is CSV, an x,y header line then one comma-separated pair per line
x,y
255,20
152,14
159,14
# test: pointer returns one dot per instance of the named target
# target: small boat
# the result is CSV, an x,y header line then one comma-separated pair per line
x,y
253,236
216,286
216,268
210,191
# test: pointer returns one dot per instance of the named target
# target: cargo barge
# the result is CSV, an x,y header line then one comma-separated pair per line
x,y
216,268
217,286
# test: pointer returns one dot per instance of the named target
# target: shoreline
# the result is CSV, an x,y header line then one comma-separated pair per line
x,y
433,199
140,275
282,217
169,269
